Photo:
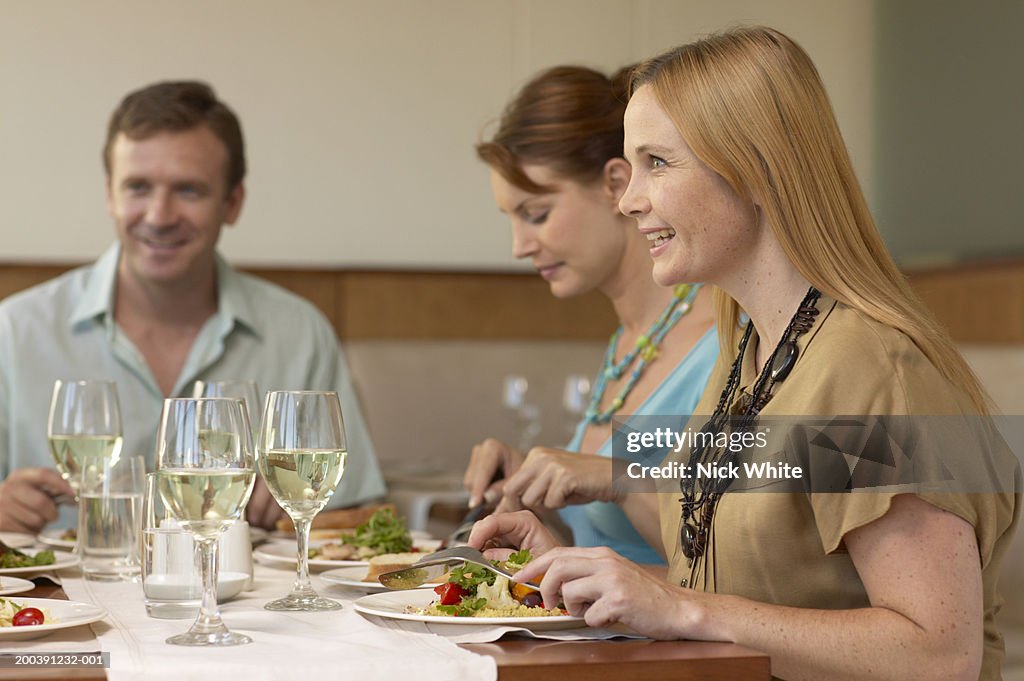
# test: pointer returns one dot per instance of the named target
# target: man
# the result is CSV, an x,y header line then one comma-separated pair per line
x,y
160,309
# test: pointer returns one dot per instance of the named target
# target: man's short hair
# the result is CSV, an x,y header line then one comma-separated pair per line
x,y
176,106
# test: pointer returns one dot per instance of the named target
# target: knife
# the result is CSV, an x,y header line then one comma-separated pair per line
x,y
418,575
461,534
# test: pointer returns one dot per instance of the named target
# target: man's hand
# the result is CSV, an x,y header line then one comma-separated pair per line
x,y
263,510
489,458
550,479
26,499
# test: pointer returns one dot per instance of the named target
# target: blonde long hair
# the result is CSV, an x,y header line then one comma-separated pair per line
x,y
751,105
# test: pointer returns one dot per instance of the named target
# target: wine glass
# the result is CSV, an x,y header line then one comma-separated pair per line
x,y
205,473
527,415
247,391
84,426
575,398
301,457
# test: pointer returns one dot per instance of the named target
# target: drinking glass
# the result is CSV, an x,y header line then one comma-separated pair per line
x,y
170,561
84,426
205,468
302,455
109,506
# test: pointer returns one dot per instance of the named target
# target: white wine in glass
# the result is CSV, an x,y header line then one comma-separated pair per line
x,y
247,391
301,457
205,501
303,481
84,425
205,472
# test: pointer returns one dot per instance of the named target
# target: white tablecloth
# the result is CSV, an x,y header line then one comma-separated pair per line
x,y
321,646
324,646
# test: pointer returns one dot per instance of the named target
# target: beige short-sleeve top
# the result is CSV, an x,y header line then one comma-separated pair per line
x,y
787,548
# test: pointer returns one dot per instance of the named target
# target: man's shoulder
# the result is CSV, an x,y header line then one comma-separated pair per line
x,y
49,297
280,304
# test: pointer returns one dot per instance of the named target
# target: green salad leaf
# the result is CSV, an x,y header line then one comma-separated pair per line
x,y
383,532
518,560
470,576
17,559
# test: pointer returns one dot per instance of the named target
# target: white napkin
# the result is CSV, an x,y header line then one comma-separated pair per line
x,y
468,633
324,645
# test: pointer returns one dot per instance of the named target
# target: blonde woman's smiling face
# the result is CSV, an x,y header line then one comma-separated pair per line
x,y
698,228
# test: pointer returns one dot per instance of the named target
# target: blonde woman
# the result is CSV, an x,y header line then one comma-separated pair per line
x,y
741,173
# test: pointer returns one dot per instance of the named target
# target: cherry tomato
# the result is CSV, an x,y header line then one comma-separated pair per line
x,y
27,617
450,593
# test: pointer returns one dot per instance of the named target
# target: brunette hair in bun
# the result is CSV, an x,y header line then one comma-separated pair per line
x,y
568,118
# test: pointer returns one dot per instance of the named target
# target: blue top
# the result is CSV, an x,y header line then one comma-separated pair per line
x,y
600,523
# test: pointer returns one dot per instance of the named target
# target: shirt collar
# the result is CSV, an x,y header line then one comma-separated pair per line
x,y
232,302
97,299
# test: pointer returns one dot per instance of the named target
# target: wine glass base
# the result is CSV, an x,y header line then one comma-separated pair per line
x,y
220,638
304,603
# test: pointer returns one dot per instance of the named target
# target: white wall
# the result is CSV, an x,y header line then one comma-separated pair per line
x,y
360,116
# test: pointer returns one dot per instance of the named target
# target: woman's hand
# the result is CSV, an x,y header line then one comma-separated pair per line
x,y
550,479
489,459
604,588
500,533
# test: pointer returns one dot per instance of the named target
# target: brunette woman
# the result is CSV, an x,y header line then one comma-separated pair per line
x,y
558,173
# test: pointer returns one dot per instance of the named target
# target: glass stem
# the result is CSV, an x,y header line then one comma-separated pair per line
x,y
209,619
302,583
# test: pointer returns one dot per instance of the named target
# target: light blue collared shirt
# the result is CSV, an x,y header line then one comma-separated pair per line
x,y
65,329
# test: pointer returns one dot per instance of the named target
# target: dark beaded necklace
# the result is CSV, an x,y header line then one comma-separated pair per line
x,y
700,495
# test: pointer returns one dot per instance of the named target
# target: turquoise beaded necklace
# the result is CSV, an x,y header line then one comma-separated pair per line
x,y
646,349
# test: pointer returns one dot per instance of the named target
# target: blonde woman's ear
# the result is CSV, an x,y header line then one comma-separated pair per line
x,y
616,179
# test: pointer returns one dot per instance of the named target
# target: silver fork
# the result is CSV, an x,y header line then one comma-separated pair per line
x,y
464,553
416,575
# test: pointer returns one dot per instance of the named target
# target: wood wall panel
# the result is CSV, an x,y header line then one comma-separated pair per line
x,y
978,302
15,276
465,305
412,305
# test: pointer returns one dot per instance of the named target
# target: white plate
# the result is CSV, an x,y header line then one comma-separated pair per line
x,y
353,577
257,535
333,534
286,554
13,585
52,537
67,613
392,604
64,560
17,540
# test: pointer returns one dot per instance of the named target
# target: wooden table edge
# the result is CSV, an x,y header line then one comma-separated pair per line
x,y
643,660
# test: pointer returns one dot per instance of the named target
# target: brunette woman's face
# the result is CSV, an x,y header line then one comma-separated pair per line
x,y
575,236
698,228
